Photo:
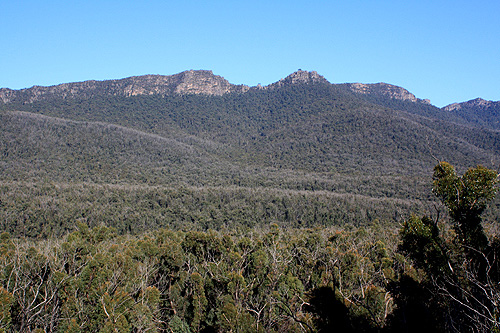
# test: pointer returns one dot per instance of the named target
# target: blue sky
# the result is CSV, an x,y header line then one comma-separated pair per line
x,y
447,51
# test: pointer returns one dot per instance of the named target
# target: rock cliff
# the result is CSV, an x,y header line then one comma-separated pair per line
x,y
188,82
384,89
298,77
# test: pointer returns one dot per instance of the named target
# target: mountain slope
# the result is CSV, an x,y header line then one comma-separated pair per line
x,y
35,146
300,123
478,112
360,143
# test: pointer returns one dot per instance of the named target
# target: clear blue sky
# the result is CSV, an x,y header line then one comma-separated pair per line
x,y
447,51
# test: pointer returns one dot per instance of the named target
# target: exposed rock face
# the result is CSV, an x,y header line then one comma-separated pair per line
x,y
188,82
297,77
204,82
385,89
6,94
475,103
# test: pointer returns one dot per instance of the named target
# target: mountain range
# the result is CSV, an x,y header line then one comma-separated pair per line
x,y
367,144
205,82
477,112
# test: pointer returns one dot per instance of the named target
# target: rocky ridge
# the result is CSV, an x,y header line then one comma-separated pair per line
x,y
480,112
478,102
299,77
385,89
187,82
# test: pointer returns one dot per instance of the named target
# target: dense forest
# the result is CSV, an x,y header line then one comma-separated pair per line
x,y
302,206
428,275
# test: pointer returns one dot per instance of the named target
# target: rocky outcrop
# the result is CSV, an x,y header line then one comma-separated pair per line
x,y
185,83
475,103
205,82
7,95
299,77
478,112
188,82
385,89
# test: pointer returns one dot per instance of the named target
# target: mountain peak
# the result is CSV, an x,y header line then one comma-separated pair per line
x,y
478,102
204,82
299,77
385,89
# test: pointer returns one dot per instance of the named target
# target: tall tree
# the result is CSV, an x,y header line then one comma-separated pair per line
x,y
460,275
466,198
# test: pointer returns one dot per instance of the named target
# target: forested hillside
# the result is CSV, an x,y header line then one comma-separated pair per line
x,y
296,137
313,126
